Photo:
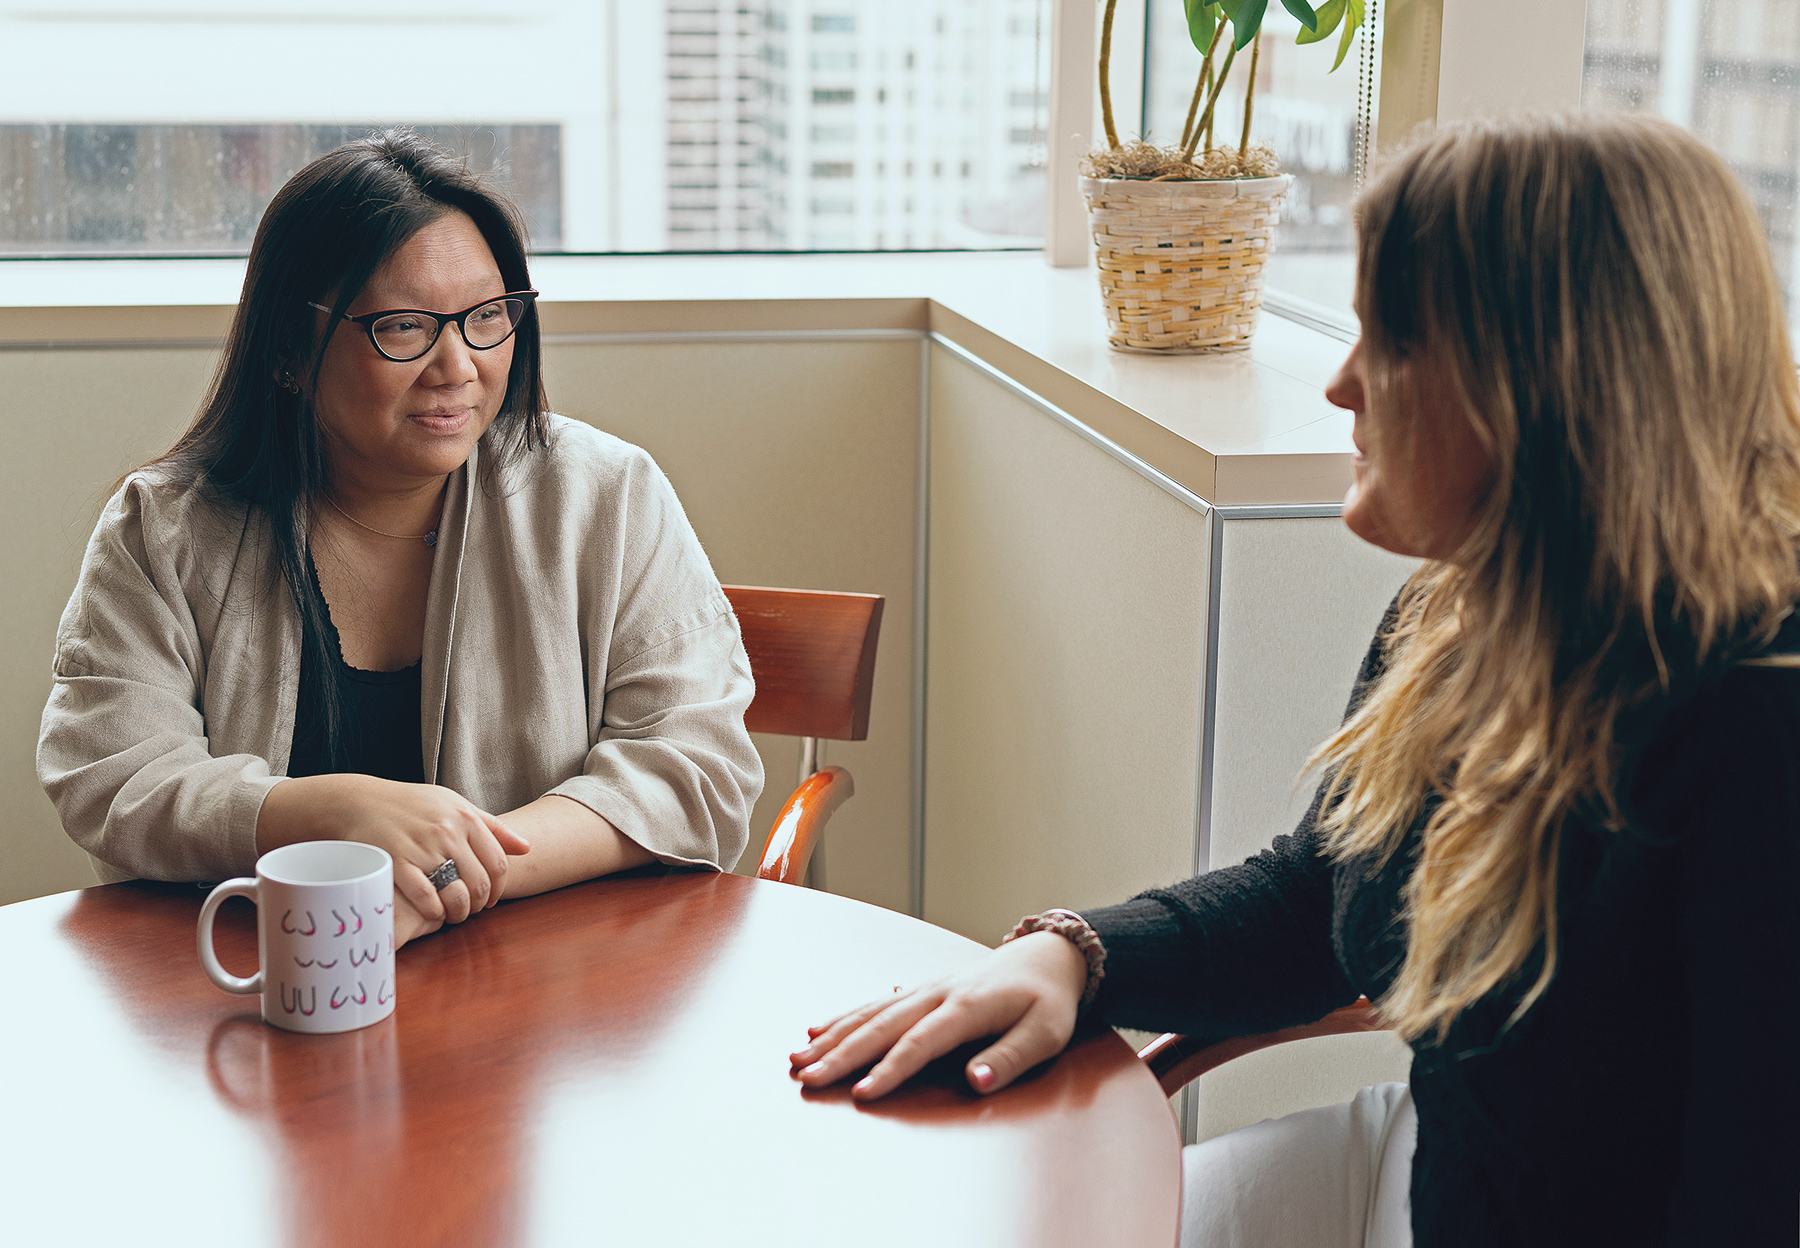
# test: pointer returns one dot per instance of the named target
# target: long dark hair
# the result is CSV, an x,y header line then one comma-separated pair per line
x,y
260,445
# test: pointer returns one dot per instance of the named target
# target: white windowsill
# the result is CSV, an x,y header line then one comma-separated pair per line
x,y
1249,428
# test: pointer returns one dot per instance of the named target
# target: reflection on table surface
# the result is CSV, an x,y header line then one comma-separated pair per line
x,y
602,1064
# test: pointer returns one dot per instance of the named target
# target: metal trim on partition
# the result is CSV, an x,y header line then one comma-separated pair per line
x,y
921,623
1315,316
1282,511
116,344
629,337
550,340
1156,477
1209,698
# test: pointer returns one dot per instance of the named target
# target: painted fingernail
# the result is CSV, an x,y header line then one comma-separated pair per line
x,y
817,1068
982,1076
864,1084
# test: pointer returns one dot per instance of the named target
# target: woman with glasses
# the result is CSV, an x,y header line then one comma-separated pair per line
x,y
378,592
1558,838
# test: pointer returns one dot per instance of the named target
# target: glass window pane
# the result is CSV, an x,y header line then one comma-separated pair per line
x,y
1728,70
635,125
1308,114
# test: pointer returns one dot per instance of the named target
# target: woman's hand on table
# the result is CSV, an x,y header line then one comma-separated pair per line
x,y
420,826
1027,992
409,924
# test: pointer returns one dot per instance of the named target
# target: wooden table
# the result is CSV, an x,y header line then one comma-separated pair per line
x,y
601,1065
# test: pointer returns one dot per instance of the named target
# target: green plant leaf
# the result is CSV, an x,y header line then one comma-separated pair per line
x,y
1330,14
1302,10
1230,8
1246,21
1202,20
1352,20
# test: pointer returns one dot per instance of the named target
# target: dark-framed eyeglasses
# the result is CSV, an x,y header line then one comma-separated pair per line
x,y
404,334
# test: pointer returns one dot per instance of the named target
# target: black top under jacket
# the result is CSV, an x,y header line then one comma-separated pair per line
x,y
380,721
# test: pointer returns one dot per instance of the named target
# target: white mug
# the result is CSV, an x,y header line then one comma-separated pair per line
x,y
324,935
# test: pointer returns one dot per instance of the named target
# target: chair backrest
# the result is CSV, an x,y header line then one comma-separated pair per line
x,y
1177,1060
813,655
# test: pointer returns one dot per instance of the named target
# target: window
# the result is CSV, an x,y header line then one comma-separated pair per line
x,y
199,190
641,125
1725,70
833,169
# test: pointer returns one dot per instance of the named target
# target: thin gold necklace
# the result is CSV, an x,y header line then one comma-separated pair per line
x,y
430,539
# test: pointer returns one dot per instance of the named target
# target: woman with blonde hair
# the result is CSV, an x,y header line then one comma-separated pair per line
x,y
1558,838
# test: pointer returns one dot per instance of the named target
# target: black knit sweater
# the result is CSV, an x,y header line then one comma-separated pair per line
x,y
1652,1095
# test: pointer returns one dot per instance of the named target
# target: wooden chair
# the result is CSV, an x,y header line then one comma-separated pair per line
x,y
1177,1061
813,656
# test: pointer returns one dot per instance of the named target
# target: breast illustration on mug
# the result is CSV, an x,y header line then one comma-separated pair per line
x,y
325,935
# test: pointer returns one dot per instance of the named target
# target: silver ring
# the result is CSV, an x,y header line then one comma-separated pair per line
x,y
445,875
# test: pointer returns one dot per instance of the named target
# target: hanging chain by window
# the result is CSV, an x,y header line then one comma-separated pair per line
x,y
1038,152
1365,93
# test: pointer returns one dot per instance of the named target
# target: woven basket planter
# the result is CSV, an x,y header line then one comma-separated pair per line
x,y
1181,263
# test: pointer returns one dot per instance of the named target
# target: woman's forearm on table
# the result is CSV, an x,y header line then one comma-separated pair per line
x,y
569,844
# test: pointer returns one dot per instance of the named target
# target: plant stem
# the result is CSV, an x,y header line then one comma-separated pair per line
x,y
1201,85
1209,121
1249,97
1106,116
1212,100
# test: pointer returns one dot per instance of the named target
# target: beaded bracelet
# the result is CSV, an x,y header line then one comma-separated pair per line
x,y
1073,928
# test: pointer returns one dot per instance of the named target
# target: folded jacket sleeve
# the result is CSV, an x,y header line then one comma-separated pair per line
x,y
1237,951
122,747
672,766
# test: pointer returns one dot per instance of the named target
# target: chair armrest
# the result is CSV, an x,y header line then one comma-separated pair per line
x,y
1177,1061
800,823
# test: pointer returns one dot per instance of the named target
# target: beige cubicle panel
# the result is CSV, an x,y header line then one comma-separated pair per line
x,y
1065,655
796,457
1299,600
77,419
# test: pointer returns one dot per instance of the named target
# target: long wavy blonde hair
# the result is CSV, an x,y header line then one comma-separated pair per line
x,y
1598,292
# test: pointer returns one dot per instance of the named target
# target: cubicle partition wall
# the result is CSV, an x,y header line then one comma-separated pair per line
x,y
796,455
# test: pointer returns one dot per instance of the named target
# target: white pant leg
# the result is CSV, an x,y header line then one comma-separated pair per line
x,y
1336,1177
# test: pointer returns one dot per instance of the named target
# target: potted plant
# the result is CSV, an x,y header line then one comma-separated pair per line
x,y
1181,233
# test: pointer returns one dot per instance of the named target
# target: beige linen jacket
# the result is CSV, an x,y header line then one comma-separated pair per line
x,y
576,642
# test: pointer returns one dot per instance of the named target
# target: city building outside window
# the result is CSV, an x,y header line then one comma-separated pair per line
x,y
1725,69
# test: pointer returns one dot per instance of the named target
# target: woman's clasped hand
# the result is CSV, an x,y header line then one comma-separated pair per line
x,y
1026,993
421,826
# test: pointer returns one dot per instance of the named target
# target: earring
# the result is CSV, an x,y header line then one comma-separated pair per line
x,y
287,382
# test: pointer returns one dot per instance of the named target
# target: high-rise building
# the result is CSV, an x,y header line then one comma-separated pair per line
x,y
1729,70
855,125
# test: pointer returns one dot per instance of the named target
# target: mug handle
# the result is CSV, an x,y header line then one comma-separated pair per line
x,y
209,961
